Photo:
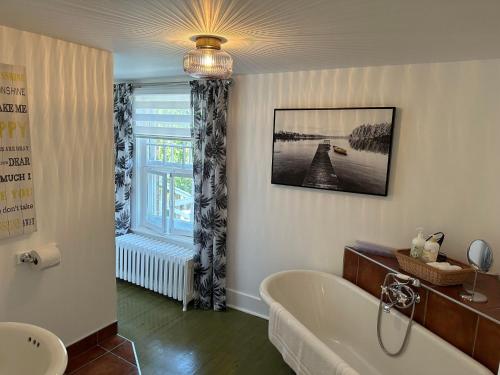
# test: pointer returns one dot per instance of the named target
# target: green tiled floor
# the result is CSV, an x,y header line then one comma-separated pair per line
x,y
169,341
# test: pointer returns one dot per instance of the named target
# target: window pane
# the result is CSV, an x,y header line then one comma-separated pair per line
x,y
183,204
157,189
169,153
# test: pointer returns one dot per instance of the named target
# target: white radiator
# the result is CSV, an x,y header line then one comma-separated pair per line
x,y
160,266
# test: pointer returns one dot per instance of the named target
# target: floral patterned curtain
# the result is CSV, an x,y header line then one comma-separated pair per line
x,y
209,104
124,150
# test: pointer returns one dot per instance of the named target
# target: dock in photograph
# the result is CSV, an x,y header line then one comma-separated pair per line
x,y
321,173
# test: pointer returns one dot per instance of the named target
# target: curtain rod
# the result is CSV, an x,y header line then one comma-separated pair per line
x,y
152,84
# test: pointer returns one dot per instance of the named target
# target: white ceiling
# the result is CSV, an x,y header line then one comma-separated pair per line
x,y
149,37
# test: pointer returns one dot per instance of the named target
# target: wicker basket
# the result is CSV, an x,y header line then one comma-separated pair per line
x,y
432,274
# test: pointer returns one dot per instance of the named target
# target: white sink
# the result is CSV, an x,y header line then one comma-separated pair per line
x,y
26,349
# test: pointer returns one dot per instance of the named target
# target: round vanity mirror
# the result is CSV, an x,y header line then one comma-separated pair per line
x,y
480,255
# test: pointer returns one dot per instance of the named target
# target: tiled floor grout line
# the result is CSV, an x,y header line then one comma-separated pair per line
x,y
107,351
123,359
113,348
89,362
102,355
123,343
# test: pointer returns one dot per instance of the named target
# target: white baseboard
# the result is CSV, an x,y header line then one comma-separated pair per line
x,y
247,303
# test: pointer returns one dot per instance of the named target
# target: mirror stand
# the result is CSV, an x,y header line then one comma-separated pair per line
x,y
471,295
480,257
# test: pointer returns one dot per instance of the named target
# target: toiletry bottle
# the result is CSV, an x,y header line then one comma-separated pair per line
x,y
417,244
431,250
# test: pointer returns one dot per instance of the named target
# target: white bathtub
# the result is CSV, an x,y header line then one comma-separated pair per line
x,y
323,324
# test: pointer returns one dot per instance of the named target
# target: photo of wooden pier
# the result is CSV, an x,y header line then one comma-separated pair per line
x,y
321,173
333,149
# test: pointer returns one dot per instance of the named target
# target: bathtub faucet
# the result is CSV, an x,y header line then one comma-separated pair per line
x,y
399,292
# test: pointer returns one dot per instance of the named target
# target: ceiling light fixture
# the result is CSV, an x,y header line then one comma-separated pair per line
x,y
208,60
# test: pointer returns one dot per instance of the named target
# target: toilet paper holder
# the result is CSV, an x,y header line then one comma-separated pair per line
x,y
27,257
40,258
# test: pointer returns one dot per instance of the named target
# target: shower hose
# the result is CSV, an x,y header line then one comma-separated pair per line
x,y
401,295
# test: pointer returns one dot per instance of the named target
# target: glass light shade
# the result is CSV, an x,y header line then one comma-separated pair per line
x,y
208,63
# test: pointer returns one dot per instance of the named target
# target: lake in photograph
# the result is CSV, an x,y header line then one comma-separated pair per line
x,y
359,171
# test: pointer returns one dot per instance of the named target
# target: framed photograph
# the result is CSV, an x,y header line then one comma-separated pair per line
x,y
342,149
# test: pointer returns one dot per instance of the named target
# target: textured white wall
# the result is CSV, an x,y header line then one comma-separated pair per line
x,y
71,106
445,171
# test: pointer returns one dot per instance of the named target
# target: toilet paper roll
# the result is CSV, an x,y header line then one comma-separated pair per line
x,y
46,256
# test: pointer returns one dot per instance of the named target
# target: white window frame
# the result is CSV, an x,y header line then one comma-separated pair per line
x,y
168,173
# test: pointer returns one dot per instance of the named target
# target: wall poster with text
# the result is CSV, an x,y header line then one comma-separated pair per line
x,y
17,204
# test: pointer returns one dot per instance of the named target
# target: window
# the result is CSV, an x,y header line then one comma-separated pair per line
x,y
163,189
